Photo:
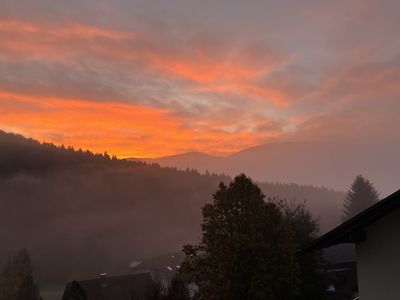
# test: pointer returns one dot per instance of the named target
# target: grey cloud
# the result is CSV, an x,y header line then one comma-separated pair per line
x,y
270,125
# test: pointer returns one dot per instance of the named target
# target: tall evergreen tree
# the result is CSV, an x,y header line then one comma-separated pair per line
x,y
247,249
17,279
362,194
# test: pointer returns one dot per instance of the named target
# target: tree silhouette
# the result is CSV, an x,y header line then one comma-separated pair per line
x,y
74,291
178,289
17,281
247,250
362,194
313,280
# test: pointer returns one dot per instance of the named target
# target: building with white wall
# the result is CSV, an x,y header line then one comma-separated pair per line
x,y
376,234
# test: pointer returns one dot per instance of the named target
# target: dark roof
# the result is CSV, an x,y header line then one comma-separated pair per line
x,y
352,231
124,287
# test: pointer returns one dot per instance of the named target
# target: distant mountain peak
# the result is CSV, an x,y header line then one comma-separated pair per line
x,y
191,154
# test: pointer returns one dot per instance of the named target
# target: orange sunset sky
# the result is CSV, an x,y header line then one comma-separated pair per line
x,y
156,78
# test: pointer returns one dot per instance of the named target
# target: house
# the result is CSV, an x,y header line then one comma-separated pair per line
x,y
163,269
376,234
126,287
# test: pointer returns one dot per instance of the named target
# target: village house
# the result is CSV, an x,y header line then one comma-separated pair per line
x,y
376,234
132,287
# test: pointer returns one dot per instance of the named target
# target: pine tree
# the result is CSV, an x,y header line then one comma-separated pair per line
x,y
247,250
17,279
362,194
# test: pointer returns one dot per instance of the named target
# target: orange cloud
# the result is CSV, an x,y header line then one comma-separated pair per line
x,y
122,129
133,91
56,108
227,76
236,75
71,30
26,40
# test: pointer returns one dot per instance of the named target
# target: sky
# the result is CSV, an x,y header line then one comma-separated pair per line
x,y
155,78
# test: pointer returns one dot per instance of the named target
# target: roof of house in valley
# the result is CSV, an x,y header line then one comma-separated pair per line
x,y
110,288
352,231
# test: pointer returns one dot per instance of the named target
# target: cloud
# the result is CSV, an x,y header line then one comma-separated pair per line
x,y
358,103
128,130
223,78
205,64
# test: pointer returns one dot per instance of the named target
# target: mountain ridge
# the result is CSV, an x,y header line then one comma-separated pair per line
x,y
318,163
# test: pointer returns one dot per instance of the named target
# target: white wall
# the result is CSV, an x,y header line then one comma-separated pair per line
x,y
378,260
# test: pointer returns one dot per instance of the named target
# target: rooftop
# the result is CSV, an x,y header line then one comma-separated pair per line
x,y
352,231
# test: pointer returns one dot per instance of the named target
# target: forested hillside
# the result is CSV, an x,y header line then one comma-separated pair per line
x,y
81,213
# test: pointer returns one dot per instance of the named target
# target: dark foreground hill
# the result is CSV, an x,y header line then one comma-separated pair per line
x,y
80,214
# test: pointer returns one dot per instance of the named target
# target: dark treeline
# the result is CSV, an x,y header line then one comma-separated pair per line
x,y
81,213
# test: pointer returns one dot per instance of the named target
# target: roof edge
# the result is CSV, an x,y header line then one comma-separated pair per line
x,y
351,231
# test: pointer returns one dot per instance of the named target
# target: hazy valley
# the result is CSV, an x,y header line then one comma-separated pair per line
x,y
80,214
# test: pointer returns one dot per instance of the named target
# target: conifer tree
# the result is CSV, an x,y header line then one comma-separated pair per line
x,y
361,195
17,279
